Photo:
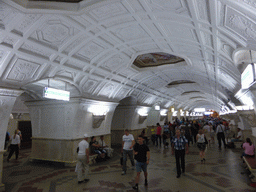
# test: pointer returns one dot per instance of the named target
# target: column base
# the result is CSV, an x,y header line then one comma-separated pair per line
x,y
55,150
2,186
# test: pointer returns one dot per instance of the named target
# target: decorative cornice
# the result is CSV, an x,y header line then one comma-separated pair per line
x,y
10,92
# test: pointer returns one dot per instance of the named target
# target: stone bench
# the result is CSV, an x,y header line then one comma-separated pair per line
x,y
251,165
92,158
238,144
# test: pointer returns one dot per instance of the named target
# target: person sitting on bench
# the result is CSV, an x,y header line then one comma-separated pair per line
x,y
95,148
239,136
249,148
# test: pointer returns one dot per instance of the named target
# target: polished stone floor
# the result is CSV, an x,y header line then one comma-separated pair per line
x,y
223,171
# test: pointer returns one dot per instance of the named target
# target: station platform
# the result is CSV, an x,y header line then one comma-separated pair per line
x,y
223,171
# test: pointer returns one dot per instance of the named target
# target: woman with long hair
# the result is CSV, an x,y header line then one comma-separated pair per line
x,y
249,148
15,146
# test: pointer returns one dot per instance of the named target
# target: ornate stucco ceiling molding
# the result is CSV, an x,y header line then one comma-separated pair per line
x,y
52,5
10,92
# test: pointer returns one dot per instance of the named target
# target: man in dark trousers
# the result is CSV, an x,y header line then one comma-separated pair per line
x,y
221,134
142,156
180,146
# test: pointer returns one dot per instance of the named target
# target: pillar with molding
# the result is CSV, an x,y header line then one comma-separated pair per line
x,y
7,100
58,127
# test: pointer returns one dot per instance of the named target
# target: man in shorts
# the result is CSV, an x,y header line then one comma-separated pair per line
x,y
142,156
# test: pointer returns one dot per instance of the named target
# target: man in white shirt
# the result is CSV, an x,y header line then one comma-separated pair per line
x,y
15,146
239,136
105,147
127,149
220,134
83,160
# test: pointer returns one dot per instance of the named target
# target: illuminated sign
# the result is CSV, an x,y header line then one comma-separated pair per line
x,y
199,109
248,76
58,94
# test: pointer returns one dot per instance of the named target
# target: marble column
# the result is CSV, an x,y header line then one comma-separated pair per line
x,y
127,117
7,100
58,127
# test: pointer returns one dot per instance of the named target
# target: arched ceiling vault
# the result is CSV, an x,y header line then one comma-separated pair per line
x,y
92,45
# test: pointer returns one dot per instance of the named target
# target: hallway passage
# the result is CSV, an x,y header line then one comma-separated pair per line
x,y
223,171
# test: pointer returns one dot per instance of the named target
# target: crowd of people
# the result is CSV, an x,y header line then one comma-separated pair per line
x,y
179,134
190,129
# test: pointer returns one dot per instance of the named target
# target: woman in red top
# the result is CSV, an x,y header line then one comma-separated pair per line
x,y
158,134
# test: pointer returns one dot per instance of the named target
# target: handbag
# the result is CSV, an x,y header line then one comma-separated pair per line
x,y
121,160
205,140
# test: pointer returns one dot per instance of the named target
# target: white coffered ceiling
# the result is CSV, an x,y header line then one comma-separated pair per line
x,y
89,48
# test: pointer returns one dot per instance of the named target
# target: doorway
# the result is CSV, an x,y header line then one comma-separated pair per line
x,y
26,131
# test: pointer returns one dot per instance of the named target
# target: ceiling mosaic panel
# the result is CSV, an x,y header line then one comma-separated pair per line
x,y
156,59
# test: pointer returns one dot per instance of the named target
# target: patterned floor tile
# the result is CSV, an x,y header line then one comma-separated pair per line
x,y
221,172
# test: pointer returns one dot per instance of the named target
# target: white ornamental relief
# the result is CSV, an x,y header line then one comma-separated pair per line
x,y
90,50
119,21
203,10
241,25
107,90
131,33
226,48
7,13
75,43
169,5
107,11
149,100
249,2
55,32
29,19
9,41
147,47
23,70
89,85
122,93
136,5
36,50
207,38
114,62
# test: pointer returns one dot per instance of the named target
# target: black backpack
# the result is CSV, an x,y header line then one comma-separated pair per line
x,y
7,138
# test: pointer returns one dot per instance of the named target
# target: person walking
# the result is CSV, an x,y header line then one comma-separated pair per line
x,y
158,134
83,160
15,146
180,147
220,134
201,138
153,135
127,149
142,156
207,132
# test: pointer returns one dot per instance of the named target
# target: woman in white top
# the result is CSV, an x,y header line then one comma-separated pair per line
x,y
209,132
15,145
200,138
